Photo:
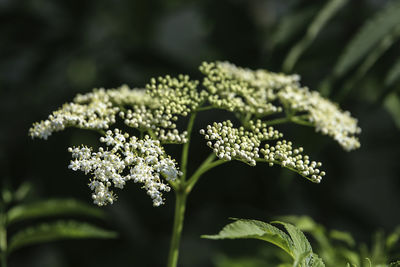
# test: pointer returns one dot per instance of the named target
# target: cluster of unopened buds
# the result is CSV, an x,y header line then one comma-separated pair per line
x,y
258,99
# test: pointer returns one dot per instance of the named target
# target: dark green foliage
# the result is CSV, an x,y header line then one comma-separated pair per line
x,y
54,231
15,208
52,207
373,31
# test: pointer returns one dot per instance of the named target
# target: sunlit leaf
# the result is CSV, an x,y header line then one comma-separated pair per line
x,y
257,230
296,244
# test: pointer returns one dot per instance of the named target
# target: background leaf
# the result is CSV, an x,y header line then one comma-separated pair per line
x,y
54,207
394,74
372,32
392,105
326,13
57,231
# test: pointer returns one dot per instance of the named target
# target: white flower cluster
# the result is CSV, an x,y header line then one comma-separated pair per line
x,y
141,160
284,154
125,96
94,110
327,117
94,115
170,98
177,96
243,90
258,92
229,143
162,124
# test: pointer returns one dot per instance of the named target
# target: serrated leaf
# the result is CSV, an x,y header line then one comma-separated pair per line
x,y
57,231
317,261
371,33
296,244
300,242
54,207
257,230
393,74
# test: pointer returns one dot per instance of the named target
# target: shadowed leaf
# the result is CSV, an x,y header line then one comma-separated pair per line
x,y
57,231
55,207
371,33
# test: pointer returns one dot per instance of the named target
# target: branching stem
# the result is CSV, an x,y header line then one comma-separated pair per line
x,y
185,149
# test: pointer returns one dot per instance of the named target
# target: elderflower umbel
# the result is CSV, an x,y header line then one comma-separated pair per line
x,y
325,115
230,143
257,93
141,160
252,95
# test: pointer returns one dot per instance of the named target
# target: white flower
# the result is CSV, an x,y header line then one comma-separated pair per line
x,y
143,161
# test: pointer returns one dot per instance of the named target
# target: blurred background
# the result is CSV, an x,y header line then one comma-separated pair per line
x,y
52,50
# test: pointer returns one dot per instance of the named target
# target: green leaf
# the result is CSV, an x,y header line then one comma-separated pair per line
x,y
290,25
302,248
55,207
22,191
296,244
369,61
394,74
342,236
326,13
371,33
392,105
57,231
393,238
317,261
300,241
255,229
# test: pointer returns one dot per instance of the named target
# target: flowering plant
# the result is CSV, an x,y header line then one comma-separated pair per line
x,y
258,99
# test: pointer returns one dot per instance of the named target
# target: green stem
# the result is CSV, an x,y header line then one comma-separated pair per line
x,y
301,122
205,108
180,205
182,191
294,119
278,121
200,171
185,149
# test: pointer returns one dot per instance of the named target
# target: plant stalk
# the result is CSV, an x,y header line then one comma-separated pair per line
x,y
180,206
185,150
